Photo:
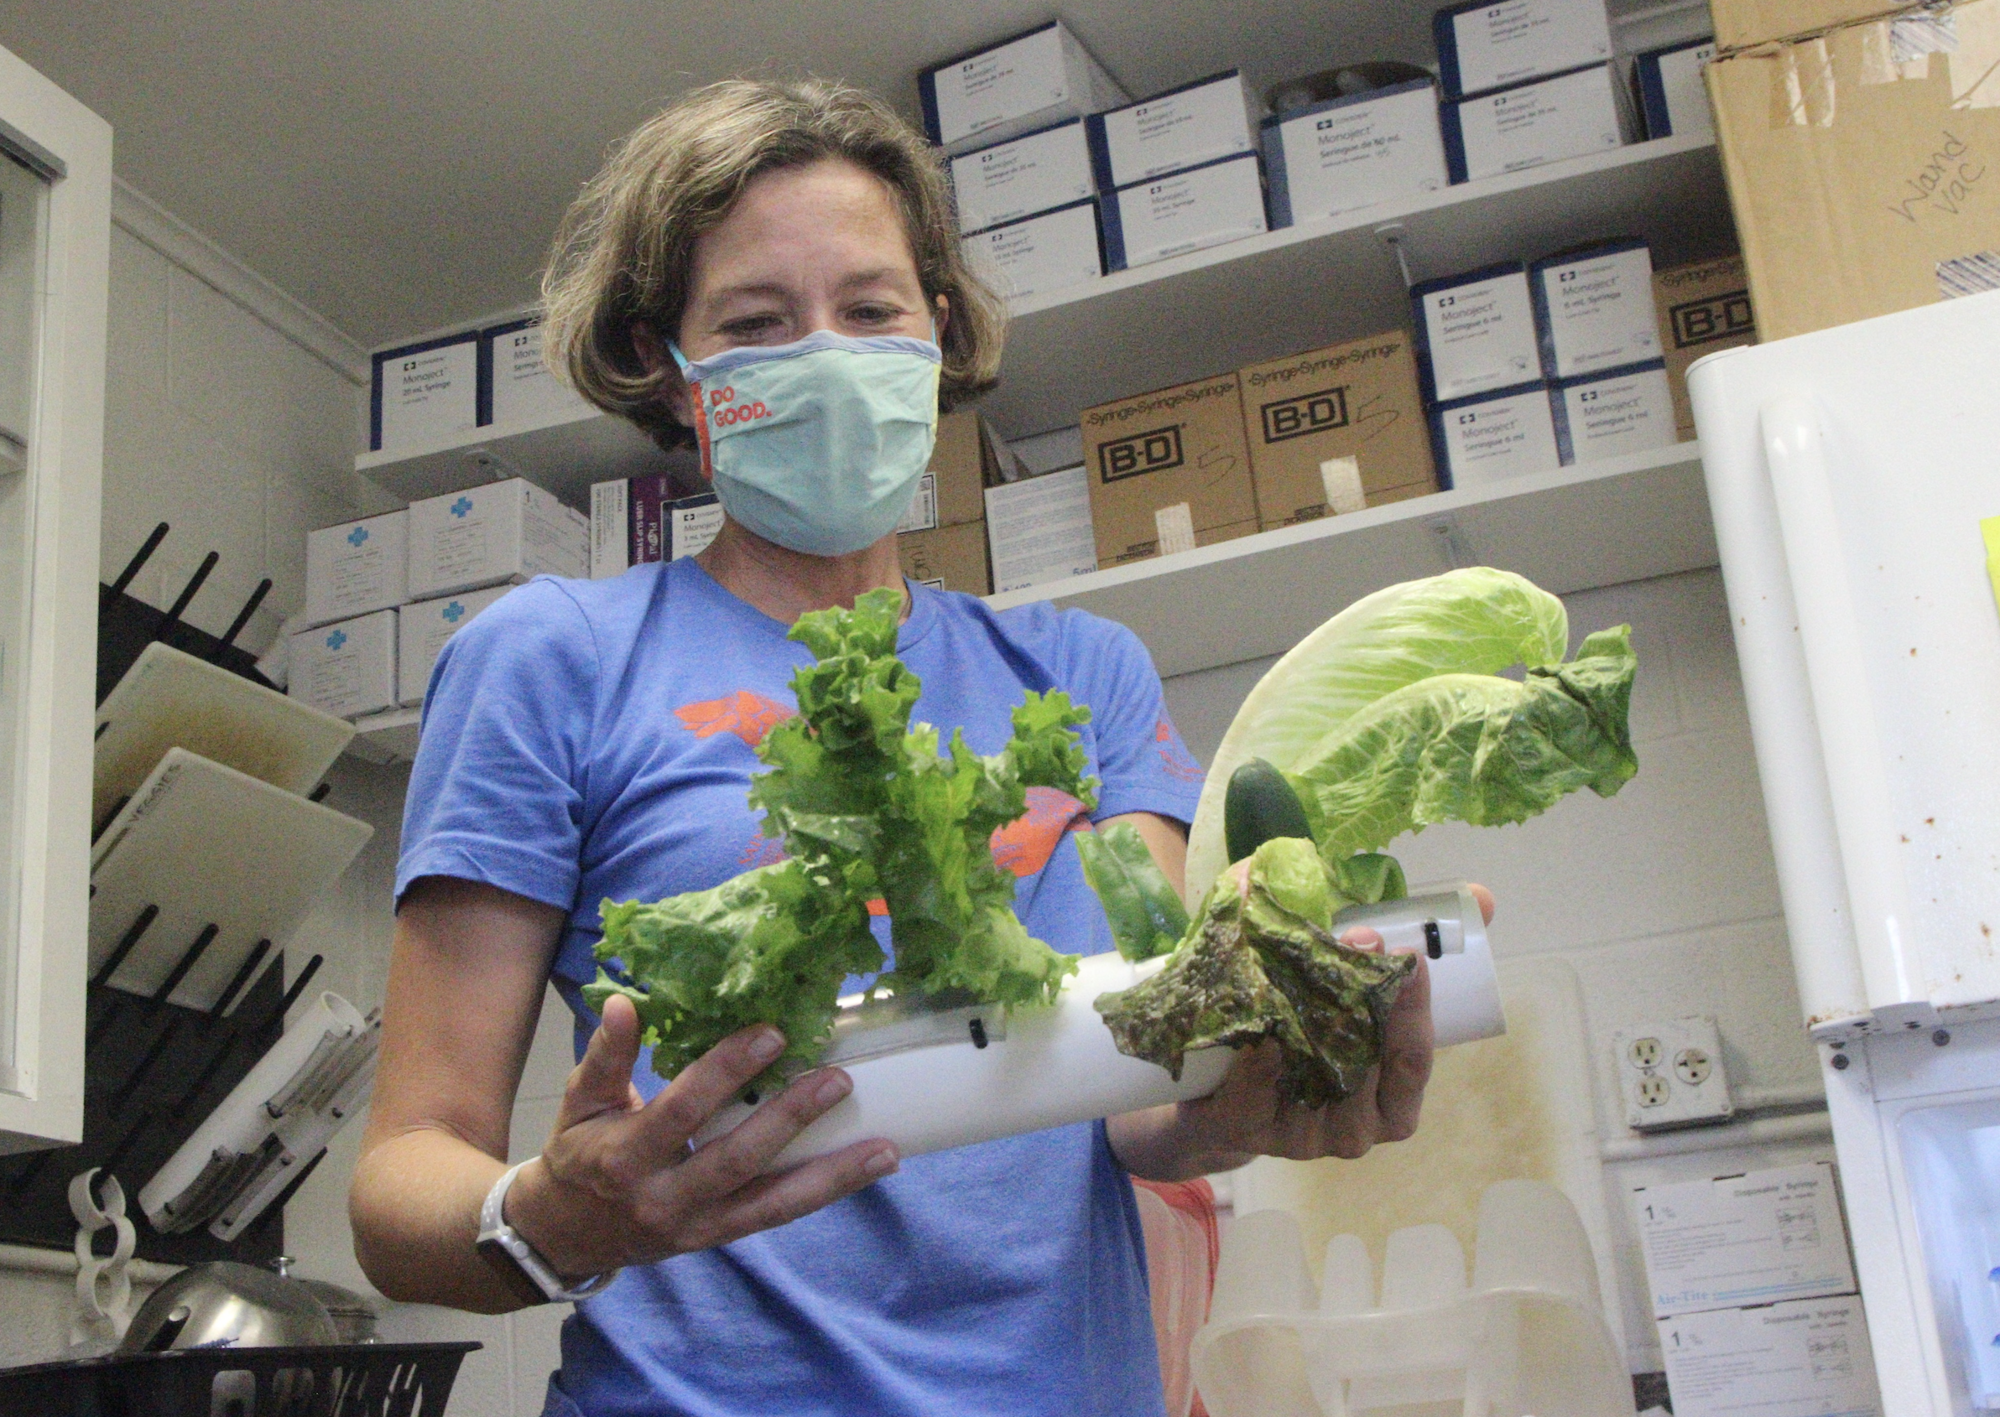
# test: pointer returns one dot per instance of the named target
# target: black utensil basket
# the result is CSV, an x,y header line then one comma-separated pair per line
x,y
342,1380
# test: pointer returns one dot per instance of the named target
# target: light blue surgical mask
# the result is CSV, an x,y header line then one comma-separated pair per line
x,y
817,445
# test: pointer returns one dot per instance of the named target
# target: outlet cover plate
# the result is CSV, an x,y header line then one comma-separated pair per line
x,y
1670,1074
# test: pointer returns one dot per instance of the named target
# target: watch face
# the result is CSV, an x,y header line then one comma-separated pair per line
x,y
518,1281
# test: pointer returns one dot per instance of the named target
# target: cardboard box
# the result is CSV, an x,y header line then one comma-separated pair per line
x,y
1701,308
1612,414
1336,429
1861,185
424,394
1168,470
346,669
948,558
1594,308
1482,45
515,386
634,520
1001,90
1672,98
1039,255
952,490
357,568
503,531
1349,154
1524,127
1492,437
1475,332
1038,529
1185,211
1036,172
1170,132
423,628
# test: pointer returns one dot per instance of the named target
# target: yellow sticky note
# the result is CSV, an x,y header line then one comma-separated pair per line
x,y
1989,529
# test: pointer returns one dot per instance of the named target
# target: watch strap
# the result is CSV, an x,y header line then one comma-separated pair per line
x,y
526,1273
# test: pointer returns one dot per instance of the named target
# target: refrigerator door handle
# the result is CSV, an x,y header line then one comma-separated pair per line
x,y
1796,442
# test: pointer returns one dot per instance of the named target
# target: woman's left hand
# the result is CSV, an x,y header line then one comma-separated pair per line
x,y
1245,1117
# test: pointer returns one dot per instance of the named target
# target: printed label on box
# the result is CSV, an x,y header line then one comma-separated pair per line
x,y
429,395
1005,83
1479,335
1536,123
1039,529
1751,1239
1598,311
1020,178
1177,130
1496,44
1675,96
696,520
1487,441
421,632
347,669
1359,154
357,568
1803,1359
922,514
1624,413
1041,255
525,389
1190,211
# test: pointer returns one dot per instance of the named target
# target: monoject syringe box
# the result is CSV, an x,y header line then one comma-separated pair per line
x,y
1350,154
516,385
1485,45
1475,332
424,394
348,668
1021,177
1614,413
1546,121
1021,83
1672,96
1594,308
1181,128
1039,255
357,567
1491,437
502,531
1186,211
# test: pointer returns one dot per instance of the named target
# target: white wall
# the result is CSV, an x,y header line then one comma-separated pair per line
x,y
1663,899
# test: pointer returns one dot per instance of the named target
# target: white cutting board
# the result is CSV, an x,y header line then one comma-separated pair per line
x,y
210,845
169,699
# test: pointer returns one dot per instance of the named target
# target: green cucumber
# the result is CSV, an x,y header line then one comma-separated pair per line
x,y
1259,806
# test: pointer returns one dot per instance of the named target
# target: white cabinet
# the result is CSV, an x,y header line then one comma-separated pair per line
x,y
55,235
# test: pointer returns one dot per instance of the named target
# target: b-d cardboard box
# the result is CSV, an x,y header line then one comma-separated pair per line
x,y
948,558
1863,182
1169,470
1349,413
1702,308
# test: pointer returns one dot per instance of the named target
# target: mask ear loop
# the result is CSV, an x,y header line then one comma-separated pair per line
x,y
700,411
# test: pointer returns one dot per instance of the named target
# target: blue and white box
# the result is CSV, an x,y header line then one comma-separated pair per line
x,y
1475,332
1558,118
501,532
421,632
1495,436
424,395
1594,308
1350,154
1039,255
516,386
1672,96
1181,128
347,669
1484,45
1609,415
1022,177
1184,211
357,568
1028,81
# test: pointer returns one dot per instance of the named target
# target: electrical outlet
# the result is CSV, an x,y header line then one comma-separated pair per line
x,y
1670,1074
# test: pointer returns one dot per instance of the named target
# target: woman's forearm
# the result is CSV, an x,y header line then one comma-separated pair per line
x,y
1166,1144
414,1209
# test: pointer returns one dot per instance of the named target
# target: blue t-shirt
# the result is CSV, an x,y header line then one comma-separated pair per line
x,y
586,740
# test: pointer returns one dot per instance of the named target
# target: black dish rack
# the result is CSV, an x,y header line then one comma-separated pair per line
x,y
337,1380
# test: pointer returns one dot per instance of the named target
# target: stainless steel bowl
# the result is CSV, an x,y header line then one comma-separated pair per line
x,y
224,1304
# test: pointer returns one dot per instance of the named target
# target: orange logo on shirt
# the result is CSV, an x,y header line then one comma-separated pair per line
x,y
1173,756
749,716
1025,844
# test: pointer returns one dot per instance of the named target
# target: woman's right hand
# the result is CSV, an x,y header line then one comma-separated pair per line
x,y
618,1184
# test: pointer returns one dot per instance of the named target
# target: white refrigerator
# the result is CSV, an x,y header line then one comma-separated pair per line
x,y
1849,472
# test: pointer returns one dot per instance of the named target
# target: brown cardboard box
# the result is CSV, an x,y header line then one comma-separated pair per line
x,y
1860,186
1171,456
1703,307
951,557
953,489
1356,400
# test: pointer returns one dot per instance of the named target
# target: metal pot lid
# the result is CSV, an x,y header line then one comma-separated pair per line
x,y
228,1305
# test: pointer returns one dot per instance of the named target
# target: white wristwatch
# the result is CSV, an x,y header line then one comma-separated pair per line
x,y
501,1246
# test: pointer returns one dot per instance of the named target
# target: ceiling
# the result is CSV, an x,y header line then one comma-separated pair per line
x,y
399,166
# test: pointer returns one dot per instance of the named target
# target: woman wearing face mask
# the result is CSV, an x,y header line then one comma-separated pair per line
x,y
777,267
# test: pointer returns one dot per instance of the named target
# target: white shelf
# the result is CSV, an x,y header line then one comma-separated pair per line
x,y
387,737
1321,282
1572,529
563,453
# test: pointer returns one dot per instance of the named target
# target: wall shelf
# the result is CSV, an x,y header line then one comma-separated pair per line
x,y
386,737
1572,529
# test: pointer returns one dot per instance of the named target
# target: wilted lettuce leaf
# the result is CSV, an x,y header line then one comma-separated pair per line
x,y
868,807
1263,963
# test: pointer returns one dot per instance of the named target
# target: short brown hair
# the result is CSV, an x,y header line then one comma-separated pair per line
x,y
625,248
